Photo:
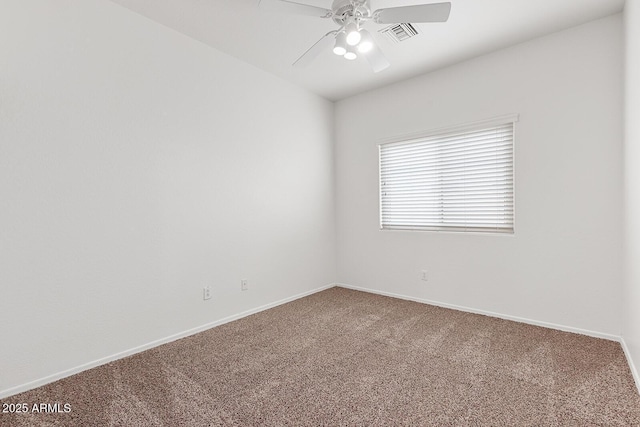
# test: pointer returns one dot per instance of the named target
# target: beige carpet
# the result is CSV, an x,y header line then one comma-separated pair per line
x,y
343,357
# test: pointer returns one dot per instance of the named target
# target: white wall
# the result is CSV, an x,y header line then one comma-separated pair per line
x,y
631,295
563,265
136,166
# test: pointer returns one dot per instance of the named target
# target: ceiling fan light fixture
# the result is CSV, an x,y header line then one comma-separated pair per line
x,y
350,40
366,44
353,34
340,47
339,50
351,54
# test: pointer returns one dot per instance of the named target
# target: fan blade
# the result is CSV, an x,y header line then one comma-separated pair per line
x,y
315,50
287,6
376,59
435,12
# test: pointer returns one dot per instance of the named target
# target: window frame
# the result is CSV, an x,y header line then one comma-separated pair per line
x,y
442,131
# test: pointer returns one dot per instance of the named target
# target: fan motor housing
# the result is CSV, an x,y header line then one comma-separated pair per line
x,y
343,10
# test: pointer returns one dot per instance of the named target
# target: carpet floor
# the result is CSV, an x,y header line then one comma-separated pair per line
x,y
342,357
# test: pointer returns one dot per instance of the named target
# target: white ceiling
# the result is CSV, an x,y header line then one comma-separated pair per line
x,y
273,41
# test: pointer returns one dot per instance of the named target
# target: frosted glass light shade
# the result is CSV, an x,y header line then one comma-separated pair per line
x,y
351,54
353,35
366,44
341,44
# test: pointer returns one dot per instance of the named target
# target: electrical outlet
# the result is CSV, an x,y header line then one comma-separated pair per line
x,y
244,284
424,275
206,292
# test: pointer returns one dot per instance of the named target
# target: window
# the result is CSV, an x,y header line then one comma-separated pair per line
x,y
453,180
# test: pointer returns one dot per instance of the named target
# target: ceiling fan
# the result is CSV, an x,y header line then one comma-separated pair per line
x,y
351,39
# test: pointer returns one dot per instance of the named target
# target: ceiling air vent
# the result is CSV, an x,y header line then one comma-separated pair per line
x,y
399,32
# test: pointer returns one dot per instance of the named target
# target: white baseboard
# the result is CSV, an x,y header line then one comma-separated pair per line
x,y
632,366
72,371
487,313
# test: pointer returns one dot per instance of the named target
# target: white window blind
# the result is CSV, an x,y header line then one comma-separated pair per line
x,y
459,180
